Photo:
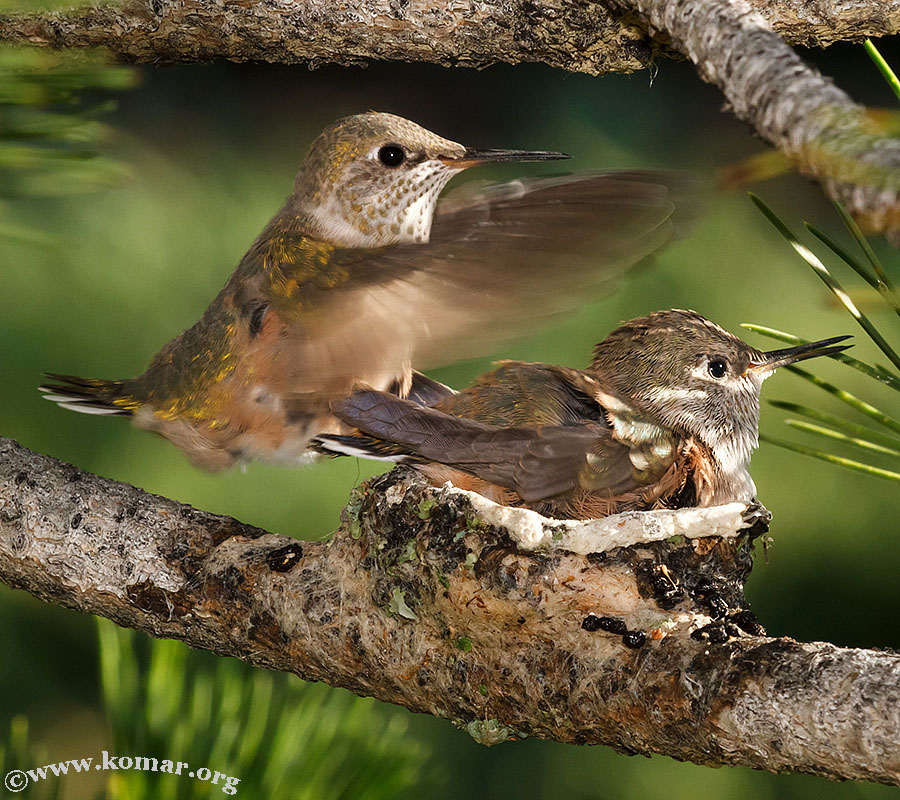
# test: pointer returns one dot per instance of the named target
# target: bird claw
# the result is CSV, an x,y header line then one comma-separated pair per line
x,y
756,518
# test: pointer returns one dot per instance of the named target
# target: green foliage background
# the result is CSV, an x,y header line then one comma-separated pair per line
x,y
101,280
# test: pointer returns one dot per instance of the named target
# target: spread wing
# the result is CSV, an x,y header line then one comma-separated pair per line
x,y
501,258
536,463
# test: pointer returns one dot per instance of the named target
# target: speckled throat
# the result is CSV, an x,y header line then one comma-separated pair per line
x,y
381,210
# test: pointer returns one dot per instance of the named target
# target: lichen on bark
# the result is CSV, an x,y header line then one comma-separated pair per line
x,y
418,600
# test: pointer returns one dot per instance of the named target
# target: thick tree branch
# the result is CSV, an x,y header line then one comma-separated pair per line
x,y
418,600
577,35
789,103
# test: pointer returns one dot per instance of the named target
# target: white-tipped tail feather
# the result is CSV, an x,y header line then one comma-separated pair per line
x,y
87,395
358,447
83,407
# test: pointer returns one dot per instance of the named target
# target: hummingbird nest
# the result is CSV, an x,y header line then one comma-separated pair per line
x,y
492,578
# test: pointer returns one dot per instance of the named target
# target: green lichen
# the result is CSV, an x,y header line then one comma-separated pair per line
x,y
351,514
423,510
491,731
464,643
397,606
409,553
475,524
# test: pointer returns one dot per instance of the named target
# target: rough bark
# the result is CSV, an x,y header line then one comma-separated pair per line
x,y
577,35
790,104
418,600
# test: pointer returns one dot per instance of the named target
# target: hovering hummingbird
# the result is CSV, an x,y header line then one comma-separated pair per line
x,y
364,274
666,416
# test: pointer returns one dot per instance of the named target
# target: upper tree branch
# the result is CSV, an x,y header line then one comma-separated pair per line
x,y
788,102
418,601
577,35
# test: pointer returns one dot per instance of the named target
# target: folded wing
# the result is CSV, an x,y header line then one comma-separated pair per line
x,y
537,463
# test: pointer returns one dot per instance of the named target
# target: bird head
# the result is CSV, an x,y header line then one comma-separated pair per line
x,y
694,377
373,179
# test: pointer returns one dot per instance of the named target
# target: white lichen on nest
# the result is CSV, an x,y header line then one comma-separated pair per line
x,y
532,531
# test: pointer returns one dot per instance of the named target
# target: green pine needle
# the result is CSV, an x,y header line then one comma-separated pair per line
x,y
819,268
883,67
847,463
863,243
889,443
51,142
830,433
284,739
845,397
19,752
878,282
875,371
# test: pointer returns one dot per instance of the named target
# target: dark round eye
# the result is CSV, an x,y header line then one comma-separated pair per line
x,y
717,368
391,155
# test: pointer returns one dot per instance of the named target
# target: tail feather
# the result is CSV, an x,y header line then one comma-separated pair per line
x,y
361,446
89,395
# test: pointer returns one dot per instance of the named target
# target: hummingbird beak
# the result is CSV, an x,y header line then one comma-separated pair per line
x,y
790,355
472,158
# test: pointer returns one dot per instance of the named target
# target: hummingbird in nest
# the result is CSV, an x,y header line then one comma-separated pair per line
x,y
665,416
365,274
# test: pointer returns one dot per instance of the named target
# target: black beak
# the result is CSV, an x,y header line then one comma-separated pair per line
x,y
471,158
790,355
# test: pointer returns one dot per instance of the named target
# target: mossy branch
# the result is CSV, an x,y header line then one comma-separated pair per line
x,y
418,600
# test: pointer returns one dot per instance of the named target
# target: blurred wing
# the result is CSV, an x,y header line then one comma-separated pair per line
x,y
537,463
501,258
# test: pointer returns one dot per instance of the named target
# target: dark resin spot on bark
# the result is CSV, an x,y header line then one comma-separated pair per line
x,y
591,623
149,597
284,559
747,622
611,625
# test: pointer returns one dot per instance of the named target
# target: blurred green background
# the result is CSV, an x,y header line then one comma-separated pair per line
x,y
94,283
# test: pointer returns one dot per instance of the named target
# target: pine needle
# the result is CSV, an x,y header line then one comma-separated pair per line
x,y
889,443
875,371
847,463
883,67
819,268
845,397
830,433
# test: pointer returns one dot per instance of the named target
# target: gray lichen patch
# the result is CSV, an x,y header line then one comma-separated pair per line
x,y
480,571
491,731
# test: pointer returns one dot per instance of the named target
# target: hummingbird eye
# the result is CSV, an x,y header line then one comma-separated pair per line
x,y
717,367
391,155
